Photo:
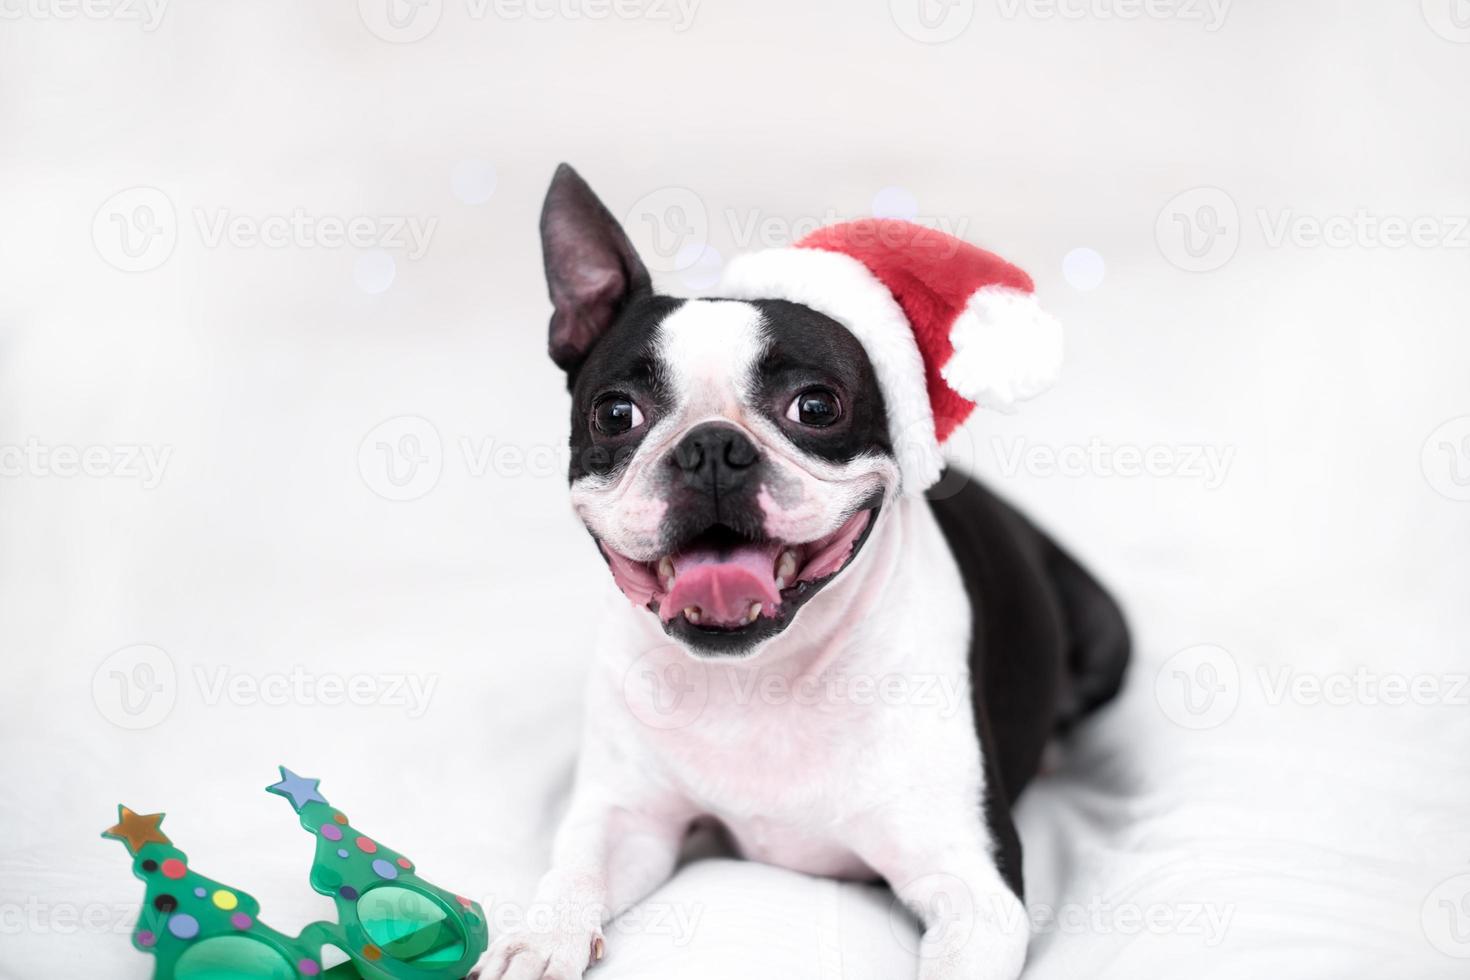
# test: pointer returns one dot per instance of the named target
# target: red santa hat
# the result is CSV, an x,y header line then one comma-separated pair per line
x,y
948,326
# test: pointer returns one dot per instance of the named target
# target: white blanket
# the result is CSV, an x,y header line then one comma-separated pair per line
x,y
1282,791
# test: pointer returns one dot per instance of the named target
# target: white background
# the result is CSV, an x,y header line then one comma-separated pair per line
x,y
1332,832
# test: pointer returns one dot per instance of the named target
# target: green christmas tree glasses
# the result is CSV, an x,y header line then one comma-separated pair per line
x,y
391,924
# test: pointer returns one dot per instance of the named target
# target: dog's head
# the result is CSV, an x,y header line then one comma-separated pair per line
x,y
730,457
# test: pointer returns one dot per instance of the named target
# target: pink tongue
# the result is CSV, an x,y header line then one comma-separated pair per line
x,y
724,584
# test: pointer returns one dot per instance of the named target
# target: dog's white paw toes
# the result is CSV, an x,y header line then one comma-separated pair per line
x,y
530,955
987,954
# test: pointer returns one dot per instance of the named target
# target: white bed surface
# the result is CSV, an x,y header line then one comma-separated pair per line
x,y
1291,837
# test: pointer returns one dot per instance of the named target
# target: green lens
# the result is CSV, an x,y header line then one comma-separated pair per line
x,y
233,958
409,926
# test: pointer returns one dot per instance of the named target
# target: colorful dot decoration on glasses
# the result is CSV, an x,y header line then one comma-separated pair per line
x,y
439,935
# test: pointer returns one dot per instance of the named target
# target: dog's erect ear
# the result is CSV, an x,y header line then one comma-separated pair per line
x,y
592,270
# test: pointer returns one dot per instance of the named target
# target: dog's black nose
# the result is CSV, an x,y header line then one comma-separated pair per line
x,y
715,457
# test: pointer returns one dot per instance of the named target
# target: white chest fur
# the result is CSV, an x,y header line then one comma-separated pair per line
x,y
798,751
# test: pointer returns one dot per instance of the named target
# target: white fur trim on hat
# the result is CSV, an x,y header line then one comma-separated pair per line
x,y
847,291
1006,349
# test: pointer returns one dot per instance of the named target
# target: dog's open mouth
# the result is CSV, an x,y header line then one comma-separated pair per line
x,y
724,589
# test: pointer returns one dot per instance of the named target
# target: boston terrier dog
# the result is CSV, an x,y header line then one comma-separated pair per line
x,y
753,470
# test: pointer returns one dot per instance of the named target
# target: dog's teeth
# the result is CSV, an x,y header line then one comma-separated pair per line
x,y
692,614
785,569
754,614
666,571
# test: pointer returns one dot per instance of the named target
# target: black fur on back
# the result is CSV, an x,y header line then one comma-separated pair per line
x,y
1048,646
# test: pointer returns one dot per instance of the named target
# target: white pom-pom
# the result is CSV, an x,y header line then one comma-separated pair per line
x,y
1006,349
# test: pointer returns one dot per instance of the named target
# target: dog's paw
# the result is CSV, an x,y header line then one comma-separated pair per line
x,y
987,954
524,954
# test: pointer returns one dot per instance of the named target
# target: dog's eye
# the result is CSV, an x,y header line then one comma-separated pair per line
x,y
613,415
817,407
